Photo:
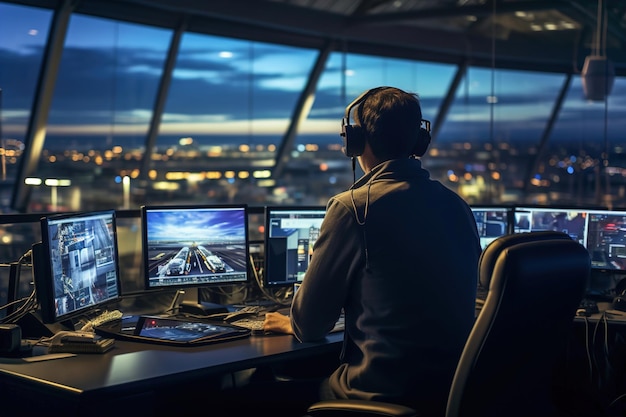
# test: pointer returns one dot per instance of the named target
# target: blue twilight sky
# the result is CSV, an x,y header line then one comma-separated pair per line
x,y
198,225
110,72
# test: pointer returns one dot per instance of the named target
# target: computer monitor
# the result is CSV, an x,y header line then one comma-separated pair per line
x,y
601,231
290,233
193,246
606,240
491,222
75,266
568,220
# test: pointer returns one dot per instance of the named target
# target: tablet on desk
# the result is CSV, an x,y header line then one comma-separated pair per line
x,y
172,331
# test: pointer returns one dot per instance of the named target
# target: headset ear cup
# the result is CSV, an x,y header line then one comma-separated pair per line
x,y
423,141
353,140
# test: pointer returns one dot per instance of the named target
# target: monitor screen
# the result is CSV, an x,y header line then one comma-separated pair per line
x,y
75,266
606,242
601,231
491,222
572,221
192,246
290,233
606,239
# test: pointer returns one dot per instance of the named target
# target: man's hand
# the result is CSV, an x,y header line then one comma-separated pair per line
x,y
277,323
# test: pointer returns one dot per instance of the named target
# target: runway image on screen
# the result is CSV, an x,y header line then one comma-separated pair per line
x,y
193,246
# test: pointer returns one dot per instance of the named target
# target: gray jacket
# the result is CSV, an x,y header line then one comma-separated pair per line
x,y
398,252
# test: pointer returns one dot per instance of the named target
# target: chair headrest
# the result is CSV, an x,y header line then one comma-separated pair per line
x,y
488,257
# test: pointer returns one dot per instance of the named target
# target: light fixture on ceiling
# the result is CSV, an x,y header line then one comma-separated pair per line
x,y
598,72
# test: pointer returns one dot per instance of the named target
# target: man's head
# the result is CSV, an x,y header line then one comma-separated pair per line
x,y
389,121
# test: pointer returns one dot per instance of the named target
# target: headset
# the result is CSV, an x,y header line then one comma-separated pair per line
x,y
354,137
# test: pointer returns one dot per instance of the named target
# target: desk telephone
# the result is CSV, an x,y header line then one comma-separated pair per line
x,y
68,336
79,342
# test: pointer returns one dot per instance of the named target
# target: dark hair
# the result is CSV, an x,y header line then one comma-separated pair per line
x,y
391,120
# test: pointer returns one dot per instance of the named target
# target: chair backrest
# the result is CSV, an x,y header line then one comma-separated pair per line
x,y
536,281
490,254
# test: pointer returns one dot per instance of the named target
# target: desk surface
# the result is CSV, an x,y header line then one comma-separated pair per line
x,y
130,367
130,362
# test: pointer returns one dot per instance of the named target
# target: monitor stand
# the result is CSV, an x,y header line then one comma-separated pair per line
x,y
202,308
198,308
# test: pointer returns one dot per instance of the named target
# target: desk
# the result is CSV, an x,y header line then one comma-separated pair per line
x,y
136,378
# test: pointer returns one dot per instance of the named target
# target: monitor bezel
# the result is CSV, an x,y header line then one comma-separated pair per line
x,y
42,268
602,281
508,210
144,210
613,271
267,246
517,208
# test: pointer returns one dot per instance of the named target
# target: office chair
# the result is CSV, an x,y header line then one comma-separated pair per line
x,y
536,281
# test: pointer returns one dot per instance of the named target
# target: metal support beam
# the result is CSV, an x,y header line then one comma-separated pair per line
x,y
534,164
449,98
444,11
161,97
301,111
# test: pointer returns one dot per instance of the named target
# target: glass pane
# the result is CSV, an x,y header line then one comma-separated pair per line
x,y
23,31
319,141
492,131
229,106
100,112
586,158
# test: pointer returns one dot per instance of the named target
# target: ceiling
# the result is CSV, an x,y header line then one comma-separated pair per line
x,y
547,35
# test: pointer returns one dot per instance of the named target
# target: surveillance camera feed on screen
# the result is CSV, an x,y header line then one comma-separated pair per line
x,y
82,259
606,240
602,232
570,221
195,246
290,233
491,222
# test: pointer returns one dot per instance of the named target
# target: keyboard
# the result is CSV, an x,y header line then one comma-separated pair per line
x,y
105,317
250,323
340,324
256,324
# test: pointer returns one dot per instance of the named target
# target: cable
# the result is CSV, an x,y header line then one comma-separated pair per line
x,y
367,204
588,350
29,303
266,293
593,350
619,398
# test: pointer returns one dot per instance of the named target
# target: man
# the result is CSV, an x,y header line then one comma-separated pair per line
x,y
398,254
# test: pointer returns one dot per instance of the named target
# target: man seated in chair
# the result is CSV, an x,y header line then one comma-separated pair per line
x,y
398,254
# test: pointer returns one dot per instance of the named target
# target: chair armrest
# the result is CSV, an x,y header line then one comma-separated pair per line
x,y
362,408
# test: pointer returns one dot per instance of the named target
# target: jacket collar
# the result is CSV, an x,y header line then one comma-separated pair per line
x,y
394,169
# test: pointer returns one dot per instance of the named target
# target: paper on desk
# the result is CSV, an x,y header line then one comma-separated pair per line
x,y
48,357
